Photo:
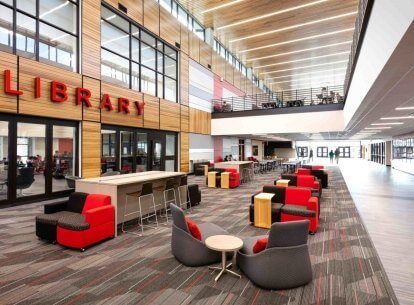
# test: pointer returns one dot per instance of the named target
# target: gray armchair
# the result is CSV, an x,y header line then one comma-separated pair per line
x,y
285,263
188,250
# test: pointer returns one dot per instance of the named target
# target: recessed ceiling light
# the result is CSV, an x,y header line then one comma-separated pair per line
x,y
404,108
304,67
391,123
270,14
397,118
297,40
385,127
307,73
221,6
295,26
301,51
302,59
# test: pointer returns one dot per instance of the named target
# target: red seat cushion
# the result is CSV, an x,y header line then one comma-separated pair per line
x,y
194,229
260,245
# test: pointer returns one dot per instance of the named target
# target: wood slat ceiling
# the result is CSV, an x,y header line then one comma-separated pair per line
x,y
290,29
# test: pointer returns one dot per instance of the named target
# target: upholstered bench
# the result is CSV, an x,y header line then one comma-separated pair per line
x,y
297,210
46,224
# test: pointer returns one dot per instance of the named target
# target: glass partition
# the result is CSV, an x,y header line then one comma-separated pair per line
x,y
142,152
108,162
4,159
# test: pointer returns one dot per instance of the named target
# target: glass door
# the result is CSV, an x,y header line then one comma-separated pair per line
x,y
157,164
108,161
127,148
141,158
63,152
170,157
322,152
30,159
4,160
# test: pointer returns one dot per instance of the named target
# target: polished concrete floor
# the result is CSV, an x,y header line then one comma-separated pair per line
x,y
384,198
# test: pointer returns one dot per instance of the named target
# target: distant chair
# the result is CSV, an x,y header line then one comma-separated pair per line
x,y
24,179
284,263
110,173
71,181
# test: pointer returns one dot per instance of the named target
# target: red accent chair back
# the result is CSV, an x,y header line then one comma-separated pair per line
x,y
234,177
303,171
307,181
95,201
297,195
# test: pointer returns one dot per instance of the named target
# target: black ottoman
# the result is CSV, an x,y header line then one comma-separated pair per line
x,y
46,224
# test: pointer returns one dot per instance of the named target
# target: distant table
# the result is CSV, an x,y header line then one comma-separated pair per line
x,y
263,210
283,182
118,186
211,179
239,165
290,166
225,180
224,243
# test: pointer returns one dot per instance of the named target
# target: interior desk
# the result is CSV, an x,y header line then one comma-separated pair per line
x,y
118,186
239,165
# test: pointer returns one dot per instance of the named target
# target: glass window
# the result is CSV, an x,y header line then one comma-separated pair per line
x,y
4,158
28,6
63,152
127,150
148,39
142,152
182,16
108,162
135,76
114,68
147,81
9,2
174,9
170,68
57,47
115,19
170,89
198,29
61,13
6,29
170,52
135,49
166,4
25,36
190,23
160,87
147,56
114,39
160,62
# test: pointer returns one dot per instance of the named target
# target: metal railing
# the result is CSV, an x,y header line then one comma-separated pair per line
x,y
364,11
282,99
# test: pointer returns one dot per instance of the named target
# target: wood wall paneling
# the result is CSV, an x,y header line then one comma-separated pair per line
x,y
184,79
184,39
170,28
236,78
92,113
205,54
44,106
8,102
91,149
185,118
91,38
169,115
200,121
121,118
184,152
152,16
194,42
151,112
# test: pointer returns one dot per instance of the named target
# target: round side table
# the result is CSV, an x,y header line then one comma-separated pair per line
x,y
224,243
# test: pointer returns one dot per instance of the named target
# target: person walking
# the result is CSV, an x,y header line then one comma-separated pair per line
x,y
337,155
331,155
311,155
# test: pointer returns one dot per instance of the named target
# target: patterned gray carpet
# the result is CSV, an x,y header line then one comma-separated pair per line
x,y
141,270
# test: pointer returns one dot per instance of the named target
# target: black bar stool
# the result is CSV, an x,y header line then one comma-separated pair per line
x,y
168,189
183,192
145,192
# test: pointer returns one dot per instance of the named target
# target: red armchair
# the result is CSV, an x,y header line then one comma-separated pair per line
x,y
309,181
318,167
94,224
303,171
234,177
299,204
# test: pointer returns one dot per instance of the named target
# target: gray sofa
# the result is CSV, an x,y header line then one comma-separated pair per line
x,y
188,250
285,263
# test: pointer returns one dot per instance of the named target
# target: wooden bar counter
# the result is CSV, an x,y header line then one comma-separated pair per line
x,y
118,186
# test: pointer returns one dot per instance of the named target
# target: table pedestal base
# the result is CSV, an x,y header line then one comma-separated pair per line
x,y
224,268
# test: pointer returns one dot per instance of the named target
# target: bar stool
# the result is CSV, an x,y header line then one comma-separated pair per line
x,y
183,191
145,192
168,189
246,175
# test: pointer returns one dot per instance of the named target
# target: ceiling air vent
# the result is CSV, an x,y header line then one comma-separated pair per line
x,y
122,8
209,66
178,45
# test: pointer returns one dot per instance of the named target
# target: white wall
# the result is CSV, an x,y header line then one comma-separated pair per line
x,y
311,122
201,147
201,87
259,145
388,22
